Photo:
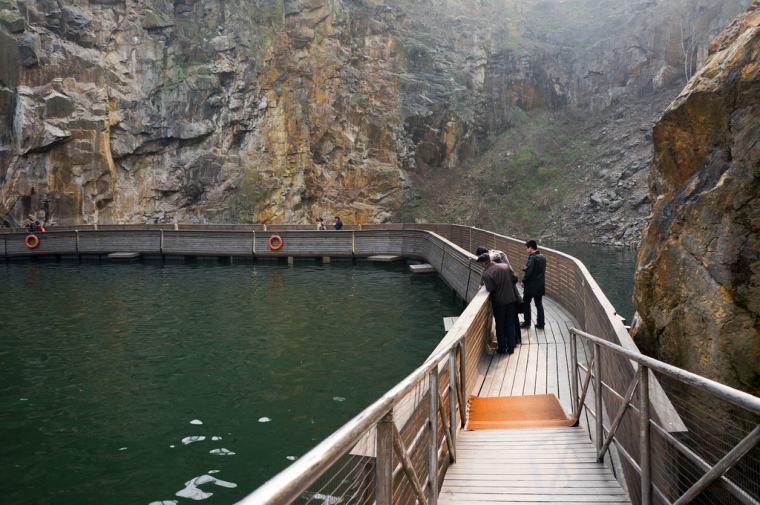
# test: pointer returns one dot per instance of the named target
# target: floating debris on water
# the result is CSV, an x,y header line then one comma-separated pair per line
x,y
190,440
339,399
216,438
196,421
222,452
292,458
193,492
264,420
123,449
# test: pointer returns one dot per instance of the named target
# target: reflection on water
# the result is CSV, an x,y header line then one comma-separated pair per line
x,y
134,383
612,268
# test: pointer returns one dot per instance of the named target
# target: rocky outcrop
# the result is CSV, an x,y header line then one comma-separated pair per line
x,y
698,278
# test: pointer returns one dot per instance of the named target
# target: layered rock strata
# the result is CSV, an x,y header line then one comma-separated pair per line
x,y
698,278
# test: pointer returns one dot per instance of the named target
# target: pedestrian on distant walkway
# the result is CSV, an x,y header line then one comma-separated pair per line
x,y
534,284
338,223
499,280
31,227
38,226
321,224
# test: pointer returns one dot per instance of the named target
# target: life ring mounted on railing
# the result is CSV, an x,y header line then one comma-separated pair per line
x,y
279,242
32,241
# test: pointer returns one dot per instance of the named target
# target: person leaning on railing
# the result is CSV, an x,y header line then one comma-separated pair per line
x,y
499,257
499,279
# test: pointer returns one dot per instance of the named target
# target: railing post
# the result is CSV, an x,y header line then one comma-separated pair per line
x,y
433,436
598,397
384,464
645,463
453,396
462,384
574,371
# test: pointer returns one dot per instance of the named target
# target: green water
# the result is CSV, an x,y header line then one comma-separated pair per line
x,y
106,370
612,268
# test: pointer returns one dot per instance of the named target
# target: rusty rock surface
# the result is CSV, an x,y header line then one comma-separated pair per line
x,y
698,278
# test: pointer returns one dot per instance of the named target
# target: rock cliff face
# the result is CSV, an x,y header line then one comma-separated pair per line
x,y
698,279
284,110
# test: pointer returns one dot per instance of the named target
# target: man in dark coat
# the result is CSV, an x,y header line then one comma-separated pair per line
x,y
338,223
498,279
534,284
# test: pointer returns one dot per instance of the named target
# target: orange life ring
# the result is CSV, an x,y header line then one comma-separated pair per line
x,y
34,239
278,245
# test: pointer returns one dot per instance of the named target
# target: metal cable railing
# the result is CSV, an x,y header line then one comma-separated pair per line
x,y
708,455
397,449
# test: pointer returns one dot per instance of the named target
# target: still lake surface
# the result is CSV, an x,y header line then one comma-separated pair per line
x,y
121,383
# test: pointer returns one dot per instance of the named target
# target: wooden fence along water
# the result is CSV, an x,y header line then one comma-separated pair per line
x,y
449,249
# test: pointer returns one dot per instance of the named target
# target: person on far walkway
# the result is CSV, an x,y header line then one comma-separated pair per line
x,y
499,280
38,226
534,284
321,224
338,223
31,227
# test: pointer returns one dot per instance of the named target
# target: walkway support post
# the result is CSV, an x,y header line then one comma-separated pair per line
x,y
574,371
433,436
384,468
598,398
462,384
646,462
453,398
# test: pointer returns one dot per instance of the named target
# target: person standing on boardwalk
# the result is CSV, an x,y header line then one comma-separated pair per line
x,y
534,284
499,257
338,223
31,227
499,280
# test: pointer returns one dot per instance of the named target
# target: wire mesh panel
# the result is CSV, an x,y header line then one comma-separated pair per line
x,y
713,427
350,480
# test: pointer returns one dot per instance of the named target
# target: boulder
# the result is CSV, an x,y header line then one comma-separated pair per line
x,y
697,283
29,49
12,21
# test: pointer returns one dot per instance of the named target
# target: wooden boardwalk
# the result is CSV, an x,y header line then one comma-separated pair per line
x,y
541,465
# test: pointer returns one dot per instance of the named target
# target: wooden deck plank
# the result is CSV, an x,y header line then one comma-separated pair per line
x,y
532,370
494,375
521,371
509,373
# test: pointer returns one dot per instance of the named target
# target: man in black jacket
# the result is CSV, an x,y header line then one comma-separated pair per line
x,y
498,279
533,283
338,223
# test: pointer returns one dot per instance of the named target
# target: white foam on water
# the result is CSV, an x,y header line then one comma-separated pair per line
x,y
123,449
165,502
339,399
222,452
171,446
193,492
264,419
216,438
24,399
190,440
213,471
292,458
326,498
196,421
